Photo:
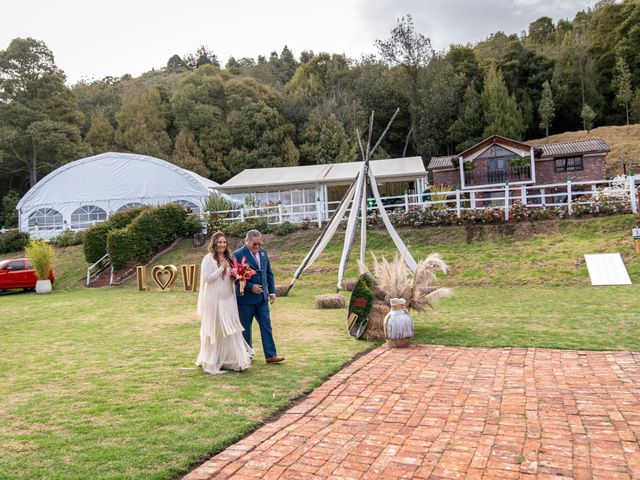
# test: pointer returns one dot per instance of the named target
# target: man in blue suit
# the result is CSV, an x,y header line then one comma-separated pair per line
x,y
259,292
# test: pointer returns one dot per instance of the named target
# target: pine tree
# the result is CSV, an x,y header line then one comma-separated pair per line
x,y
187,153
100,135
546,109
622,81
467,130
501,112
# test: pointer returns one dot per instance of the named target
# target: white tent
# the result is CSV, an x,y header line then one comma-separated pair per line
x,y
88,190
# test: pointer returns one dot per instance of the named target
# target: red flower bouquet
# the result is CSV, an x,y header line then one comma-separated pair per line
x,y
241,272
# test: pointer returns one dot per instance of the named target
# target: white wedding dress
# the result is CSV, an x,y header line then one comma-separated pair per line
x,y
222,345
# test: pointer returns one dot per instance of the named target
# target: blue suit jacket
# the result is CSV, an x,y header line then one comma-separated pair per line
x,y
263,276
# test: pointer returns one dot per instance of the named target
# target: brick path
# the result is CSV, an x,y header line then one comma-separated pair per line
x,y
444,412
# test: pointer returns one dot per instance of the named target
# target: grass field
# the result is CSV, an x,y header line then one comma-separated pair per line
x,y
100,383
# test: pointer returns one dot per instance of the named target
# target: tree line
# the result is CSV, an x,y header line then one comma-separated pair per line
x,y
281,110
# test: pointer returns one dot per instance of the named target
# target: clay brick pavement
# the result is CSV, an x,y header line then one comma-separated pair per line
x,y
445,412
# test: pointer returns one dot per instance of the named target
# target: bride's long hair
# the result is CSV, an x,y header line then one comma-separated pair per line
x,y
213,250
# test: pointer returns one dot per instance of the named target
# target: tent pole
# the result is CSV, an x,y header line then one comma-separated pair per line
x,y
328,230
350,233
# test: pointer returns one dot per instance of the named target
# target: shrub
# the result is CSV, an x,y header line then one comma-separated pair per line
x,y
192,225
68,238
43,257
216,203
95,239
13,241
285,228
148,233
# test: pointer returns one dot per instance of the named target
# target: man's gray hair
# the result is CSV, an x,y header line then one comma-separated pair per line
x,y
252,234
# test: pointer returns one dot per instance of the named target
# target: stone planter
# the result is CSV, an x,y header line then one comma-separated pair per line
x,y
43,286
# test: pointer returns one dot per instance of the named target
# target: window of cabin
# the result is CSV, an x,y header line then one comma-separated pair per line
x,y
570,164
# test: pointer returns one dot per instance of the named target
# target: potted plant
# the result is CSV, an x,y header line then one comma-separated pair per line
x,y
42,256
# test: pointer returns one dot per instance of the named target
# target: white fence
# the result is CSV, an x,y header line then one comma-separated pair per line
x,y
566,195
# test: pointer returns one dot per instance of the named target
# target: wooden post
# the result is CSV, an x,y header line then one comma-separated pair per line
x,y
458,206
523,195
242,214
569,196
543,198
280,213
472,200
406,202
319,214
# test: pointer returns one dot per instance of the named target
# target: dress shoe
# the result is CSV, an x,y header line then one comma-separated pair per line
x,y
275,359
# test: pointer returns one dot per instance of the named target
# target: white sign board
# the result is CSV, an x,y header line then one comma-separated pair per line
x,y
636,233
607,269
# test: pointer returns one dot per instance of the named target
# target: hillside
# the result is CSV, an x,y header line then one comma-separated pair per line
x,y
615,136
530,254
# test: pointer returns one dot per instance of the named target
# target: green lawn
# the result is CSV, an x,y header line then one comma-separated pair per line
x,y
100,383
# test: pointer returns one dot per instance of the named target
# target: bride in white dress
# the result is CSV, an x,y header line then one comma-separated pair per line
x,y
221,343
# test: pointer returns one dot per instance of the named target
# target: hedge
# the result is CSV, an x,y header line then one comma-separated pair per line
x,y
95,240
148,233
13,241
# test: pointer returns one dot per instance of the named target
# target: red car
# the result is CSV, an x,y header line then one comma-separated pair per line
x,y
18,273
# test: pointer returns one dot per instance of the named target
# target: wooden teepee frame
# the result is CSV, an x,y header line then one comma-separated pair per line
x,y
357,197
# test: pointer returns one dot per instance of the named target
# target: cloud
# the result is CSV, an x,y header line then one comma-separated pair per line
x,y
449,22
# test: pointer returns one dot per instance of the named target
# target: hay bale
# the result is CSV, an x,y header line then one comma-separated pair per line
x,y
375,327
330,300
282,290
350,284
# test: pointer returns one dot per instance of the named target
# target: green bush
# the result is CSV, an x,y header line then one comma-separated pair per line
x,y
13,241
285,228
150,232
95,239
192,225
68,238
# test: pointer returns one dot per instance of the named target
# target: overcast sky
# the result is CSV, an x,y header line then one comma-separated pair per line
x,y
96,39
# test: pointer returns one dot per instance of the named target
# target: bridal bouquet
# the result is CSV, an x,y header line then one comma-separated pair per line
x,y
242,272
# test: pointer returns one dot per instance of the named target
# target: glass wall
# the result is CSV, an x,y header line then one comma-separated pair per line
x,y
296,204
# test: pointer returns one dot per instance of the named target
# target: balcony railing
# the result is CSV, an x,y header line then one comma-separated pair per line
x,y
486,177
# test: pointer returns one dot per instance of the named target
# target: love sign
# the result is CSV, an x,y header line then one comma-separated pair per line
x,y
164,276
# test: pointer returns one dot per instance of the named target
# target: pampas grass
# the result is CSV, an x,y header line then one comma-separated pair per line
x,y
330,300
397,281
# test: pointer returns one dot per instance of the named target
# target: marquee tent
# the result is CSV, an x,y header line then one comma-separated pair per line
x,y
88,190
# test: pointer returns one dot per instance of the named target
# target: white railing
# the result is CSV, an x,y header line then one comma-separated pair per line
x,y
565,195
94,270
